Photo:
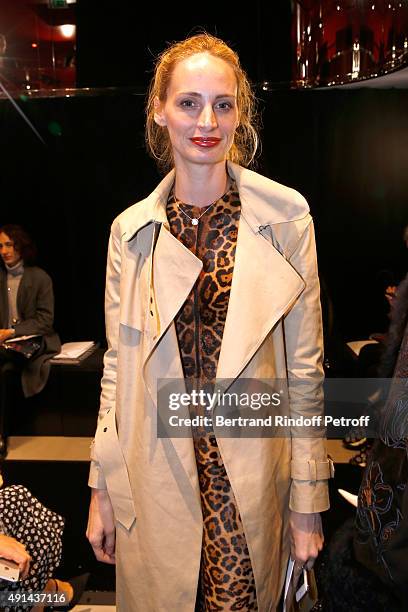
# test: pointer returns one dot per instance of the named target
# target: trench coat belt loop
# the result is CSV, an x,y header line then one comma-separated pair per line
x,y
321,469
312,470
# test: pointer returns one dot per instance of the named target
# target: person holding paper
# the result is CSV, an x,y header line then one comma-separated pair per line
x,y
26,309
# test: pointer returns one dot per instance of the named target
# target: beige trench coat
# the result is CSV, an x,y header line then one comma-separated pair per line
x,y
273,329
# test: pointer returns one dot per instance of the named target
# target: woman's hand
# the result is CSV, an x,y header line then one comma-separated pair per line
x,y
5,334
13,550
306,536
101,526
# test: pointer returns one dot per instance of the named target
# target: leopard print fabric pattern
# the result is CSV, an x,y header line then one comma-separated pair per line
x,y
226,580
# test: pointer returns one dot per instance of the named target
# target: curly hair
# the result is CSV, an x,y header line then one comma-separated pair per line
x,y
22,242
246,139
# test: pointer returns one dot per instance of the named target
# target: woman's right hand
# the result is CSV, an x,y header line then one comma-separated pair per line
x,y
101,526
13,550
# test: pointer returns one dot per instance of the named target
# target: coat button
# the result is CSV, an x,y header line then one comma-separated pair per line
x,y
105,429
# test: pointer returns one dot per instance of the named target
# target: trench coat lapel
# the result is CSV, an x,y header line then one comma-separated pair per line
x,y
155,287
174,270
264,286
158,274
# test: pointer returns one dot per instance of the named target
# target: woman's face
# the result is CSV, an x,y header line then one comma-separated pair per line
x,y
200,111
8,252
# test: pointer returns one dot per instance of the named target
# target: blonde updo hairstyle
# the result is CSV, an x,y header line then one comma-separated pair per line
x,y
246,137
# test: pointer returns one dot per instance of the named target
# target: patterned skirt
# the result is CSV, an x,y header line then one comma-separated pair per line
x,y
27,520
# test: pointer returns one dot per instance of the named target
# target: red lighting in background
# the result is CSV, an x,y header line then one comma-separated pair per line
x,y
339,42
40,44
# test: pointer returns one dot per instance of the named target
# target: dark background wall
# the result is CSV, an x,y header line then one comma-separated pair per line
x,y
345,151
117,41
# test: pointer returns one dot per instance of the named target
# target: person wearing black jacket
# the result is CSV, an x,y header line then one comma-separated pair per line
x,y
26,309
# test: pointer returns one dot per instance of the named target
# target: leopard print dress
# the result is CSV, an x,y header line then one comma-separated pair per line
x,y
226,580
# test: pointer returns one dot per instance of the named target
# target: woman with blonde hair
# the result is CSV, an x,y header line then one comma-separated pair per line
x,y
211,278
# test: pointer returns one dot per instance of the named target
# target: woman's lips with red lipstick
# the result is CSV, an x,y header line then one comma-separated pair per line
x,y
205,142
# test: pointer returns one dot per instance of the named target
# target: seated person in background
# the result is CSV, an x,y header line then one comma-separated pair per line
x,y
30,535
26,308
365,566
381,527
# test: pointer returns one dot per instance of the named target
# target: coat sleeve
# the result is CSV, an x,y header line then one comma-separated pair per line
x,y
108,383
43,318
310,467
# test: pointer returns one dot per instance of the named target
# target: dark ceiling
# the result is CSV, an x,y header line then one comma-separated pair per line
x,y
117,47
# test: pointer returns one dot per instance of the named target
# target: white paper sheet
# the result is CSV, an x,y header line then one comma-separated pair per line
x,y
73,350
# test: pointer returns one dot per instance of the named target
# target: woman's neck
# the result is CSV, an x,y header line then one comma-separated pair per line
x,y
202,184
